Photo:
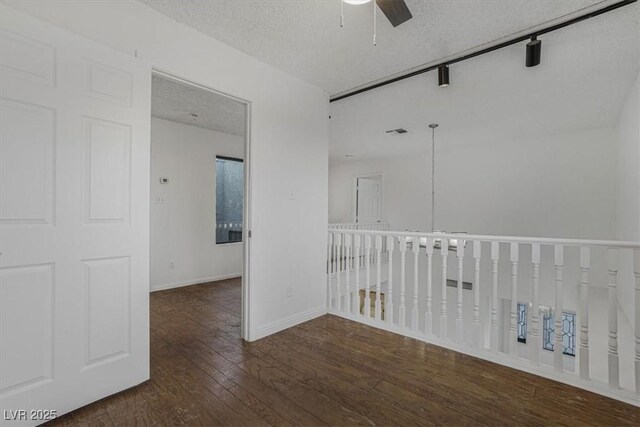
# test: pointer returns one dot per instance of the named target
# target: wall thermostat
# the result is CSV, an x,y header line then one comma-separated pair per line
x,y
164,180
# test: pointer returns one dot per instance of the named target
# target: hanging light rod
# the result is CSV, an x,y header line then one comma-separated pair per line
x,y
489,49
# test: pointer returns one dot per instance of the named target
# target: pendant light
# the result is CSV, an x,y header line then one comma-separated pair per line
x,y
437,242
452,244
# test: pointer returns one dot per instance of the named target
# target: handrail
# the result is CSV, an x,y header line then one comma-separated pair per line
x,y
622,244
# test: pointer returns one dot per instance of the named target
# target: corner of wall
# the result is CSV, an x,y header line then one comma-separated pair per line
x,y
627,209
288,322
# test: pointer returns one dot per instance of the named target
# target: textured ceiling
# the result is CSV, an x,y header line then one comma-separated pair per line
x,y
304,38
177,102
582,83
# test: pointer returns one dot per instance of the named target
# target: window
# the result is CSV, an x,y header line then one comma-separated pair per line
x,y
568,332
548,328
522,322
229,199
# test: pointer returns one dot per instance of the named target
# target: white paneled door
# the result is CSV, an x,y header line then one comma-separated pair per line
x,y
74,192
369,199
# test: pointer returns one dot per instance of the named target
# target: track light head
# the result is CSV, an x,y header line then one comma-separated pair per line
x,y
534,50
443,75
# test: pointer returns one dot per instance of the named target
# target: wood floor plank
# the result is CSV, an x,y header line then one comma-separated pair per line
x,y
328,371
318,404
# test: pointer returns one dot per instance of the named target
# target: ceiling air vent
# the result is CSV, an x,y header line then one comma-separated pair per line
x,y
398,131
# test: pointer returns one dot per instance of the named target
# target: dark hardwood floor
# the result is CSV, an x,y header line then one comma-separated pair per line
x,y
328,371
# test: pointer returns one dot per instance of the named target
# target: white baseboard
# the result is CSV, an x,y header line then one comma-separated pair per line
x,y
287,322
165,286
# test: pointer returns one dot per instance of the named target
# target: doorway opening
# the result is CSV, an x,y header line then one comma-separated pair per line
x,y
199,205
367,206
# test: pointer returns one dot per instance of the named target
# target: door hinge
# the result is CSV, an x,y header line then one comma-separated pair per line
x,y
249,233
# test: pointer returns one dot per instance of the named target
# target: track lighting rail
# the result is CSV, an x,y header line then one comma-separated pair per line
x,y
489,49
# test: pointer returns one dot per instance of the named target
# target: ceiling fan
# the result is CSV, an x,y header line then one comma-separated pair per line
x,y
396,11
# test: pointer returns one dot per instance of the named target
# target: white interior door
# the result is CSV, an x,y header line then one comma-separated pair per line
x,y
74,204
369,199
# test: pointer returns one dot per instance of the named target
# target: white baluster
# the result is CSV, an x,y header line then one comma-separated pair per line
x,y
388,303
459,326
378,307
428,317
385,245
513,324
477,330
495,256
356,247
534,336
367,275
414,305
614,367
557,342
329,270
402,314
347,250
444,251
636,309
339,274
585,264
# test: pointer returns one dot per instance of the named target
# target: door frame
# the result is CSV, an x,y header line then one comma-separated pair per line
x,y
354,194
245,318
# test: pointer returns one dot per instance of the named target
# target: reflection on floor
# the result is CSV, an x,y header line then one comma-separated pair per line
x,y
328,371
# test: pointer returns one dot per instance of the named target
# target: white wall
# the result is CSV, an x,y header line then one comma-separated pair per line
x,y
558,186
183,212
628,192
289,140
628,166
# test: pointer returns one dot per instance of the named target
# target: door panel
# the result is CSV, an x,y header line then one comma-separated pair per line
x,y
28,135
74,202
26,354
107,164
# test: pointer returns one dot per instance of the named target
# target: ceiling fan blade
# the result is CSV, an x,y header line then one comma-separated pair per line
x,y
396,11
